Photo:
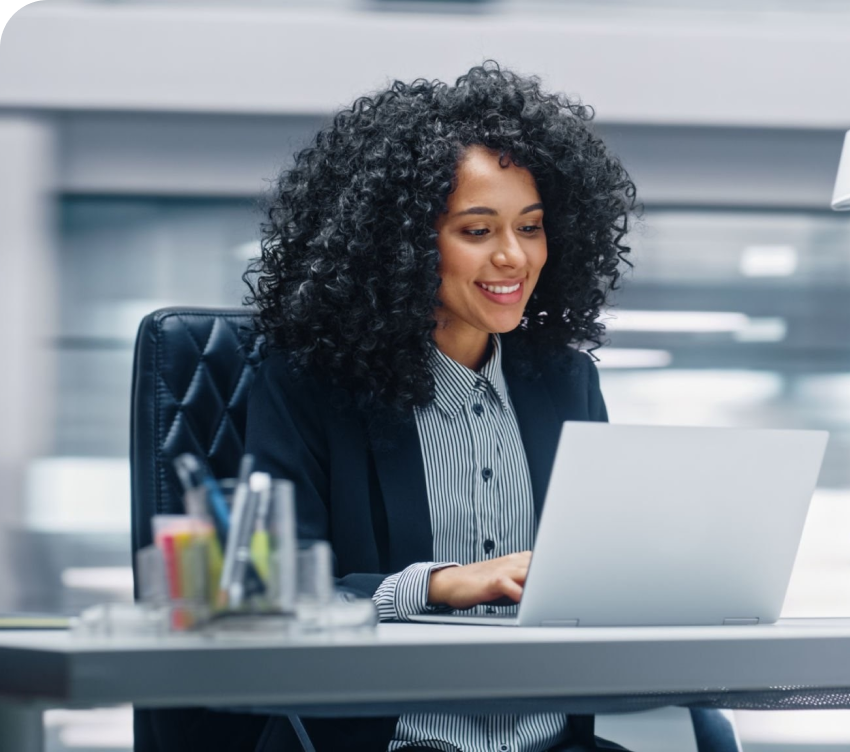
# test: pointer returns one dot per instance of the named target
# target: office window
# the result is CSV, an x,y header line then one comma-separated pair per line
x,y
738,318
121,259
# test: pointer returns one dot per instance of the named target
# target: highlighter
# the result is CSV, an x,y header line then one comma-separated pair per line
x,y
260,550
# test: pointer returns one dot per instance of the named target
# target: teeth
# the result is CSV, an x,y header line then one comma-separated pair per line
x,y
499,290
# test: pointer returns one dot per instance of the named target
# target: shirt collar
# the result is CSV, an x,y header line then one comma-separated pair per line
x,y
454,383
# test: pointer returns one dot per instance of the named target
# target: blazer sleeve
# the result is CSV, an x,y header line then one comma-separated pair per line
x,y
595,401
285,432
573,384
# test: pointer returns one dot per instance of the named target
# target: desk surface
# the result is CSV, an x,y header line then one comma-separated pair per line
x,y
402,667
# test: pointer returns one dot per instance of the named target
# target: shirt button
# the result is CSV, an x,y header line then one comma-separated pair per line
x,y
489,545
478,409
486,473
504,748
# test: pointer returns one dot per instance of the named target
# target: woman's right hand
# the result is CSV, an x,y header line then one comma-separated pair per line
x,y
473,584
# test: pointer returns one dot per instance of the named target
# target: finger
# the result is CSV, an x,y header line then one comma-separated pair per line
x,y
517,569
520,575
511,589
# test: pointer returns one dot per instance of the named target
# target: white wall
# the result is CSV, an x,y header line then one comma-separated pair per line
x,y
27,308
774,70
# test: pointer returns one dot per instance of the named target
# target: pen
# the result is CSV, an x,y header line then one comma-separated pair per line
x,y
203,495
253,582
240,499
260,551
240,535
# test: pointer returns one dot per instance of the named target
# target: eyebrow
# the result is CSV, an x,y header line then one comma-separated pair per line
x,y
492,212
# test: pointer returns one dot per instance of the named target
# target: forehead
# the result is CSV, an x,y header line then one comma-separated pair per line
x,y
483,181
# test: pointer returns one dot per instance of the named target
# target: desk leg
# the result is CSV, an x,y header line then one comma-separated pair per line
x,y
21,727
715,730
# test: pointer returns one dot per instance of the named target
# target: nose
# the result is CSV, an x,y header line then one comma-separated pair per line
x,y
510,253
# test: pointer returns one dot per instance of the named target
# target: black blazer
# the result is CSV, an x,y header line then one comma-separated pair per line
x,y
365,492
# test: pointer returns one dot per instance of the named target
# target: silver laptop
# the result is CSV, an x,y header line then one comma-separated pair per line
x,y
659,525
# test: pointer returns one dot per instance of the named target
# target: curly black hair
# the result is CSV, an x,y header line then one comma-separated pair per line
x,y
347,283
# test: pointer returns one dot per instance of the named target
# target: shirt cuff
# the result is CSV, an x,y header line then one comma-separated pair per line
x,y
404,594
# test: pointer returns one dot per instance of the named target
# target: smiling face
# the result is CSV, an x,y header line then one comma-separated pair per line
x,y
492,248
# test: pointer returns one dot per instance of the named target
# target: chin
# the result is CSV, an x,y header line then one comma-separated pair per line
x,y
504,327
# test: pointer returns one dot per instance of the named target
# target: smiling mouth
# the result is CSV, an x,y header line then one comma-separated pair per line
x,y
500,289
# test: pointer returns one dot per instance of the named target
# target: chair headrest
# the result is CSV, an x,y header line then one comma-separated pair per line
x,y
192,372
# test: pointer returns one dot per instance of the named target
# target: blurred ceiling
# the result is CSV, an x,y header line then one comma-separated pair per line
x,y
598,7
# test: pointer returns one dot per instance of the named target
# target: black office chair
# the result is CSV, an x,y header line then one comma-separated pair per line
x,y
193,369
192,372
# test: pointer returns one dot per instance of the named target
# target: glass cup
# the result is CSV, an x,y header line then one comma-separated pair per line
x,y
260,559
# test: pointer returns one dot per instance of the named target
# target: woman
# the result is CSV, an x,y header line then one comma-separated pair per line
x,y
428,267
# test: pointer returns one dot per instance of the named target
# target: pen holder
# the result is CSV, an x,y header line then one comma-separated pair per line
x,y
258,574
178,572
235,551
318,607
234,565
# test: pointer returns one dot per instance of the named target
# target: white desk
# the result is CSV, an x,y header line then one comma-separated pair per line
x,y
406,667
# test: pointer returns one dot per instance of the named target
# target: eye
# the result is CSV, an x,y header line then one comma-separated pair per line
x,y
477,233
531,229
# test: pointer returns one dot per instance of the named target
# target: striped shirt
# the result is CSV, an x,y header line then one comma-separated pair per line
x,y
480,500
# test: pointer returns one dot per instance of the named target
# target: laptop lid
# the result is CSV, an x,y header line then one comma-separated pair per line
x,y
660,525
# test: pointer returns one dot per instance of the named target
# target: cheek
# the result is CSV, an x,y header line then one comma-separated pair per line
x,y
537,262
542,257
455,266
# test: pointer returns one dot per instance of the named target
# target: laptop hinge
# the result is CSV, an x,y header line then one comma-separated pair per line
x,y
559,623
738,621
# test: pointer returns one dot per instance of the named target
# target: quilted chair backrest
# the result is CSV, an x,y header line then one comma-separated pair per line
x,y
192,372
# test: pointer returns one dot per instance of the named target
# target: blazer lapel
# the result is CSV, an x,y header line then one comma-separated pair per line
x,y
401,474
539,426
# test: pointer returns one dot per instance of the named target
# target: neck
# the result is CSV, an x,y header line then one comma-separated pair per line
x,y
472,354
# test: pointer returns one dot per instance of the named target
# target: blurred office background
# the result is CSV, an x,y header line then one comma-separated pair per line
x,y
137,140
